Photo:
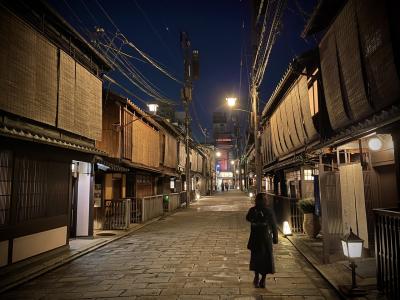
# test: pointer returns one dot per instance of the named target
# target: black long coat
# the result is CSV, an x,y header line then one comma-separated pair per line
x,y
263,233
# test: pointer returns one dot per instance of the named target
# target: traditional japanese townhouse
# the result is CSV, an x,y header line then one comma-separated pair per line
x,y
169,181
293,122
50,116
359,57
131,137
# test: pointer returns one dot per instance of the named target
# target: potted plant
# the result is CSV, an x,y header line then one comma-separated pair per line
x,y
311,225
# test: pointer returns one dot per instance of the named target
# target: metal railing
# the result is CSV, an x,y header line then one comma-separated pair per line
x,y
387,251
286,209
117,214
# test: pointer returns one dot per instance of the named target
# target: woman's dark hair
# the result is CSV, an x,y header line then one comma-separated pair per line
x,y
261,201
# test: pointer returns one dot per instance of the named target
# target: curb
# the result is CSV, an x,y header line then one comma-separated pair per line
x,y
320,272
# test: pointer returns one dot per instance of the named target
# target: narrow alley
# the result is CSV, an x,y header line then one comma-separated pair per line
x,y
195,253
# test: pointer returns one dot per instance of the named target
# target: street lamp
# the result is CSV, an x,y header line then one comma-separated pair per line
x,y
231,101
218,154
352,248
153,108
232,162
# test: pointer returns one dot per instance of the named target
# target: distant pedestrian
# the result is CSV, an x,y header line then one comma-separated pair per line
x,y
222,186
226,186
263,233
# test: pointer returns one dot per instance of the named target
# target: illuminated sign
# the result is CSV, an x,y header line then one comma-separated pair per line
x,y
225,174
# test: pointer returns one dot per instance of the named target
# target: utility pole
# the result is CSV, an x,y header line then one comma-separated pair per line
x,y
257,158
191,71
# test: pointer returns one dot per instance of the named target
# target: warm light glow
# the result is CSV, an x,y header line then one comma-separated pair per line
x,y
232,162
251,195
237,171
152,107
231,101
286,229
375,144
352,249
197,196
218,154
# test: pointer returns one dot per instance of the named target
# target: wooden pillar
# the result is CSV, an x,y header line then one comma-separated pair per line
x,y
396,147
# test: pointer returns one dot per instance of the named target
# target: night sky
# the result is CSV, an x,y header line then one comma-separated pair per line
x,y
219,29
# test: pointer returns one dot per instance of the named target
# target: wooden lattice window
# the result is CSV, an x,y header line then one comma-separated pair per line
x,y
6,161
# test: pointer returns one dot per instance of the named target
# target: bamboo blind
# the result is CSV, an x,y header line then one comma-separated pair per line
x,y
127,119
109,142
182,154
66,106
349,60
275,137
357,63
145,144
297,116
305,108
288,106
285,127
193,160
80,99
291,123
280,133
332,86
376,44
199,163
170,151
28,71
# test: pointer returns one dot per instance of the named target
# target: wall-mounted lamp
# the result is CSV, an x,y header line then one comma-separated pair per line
x,y
375,143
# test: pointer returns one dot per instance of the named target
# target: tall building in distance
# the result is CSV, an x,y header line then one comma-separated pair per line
x,y
225,139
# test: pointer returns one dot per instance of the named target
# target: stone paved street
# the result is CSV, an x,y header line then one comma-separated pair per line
x,y
199,253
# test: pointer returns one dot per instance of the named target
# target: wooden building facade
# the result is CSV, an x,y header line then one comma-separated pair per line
x,y
330,130
46,130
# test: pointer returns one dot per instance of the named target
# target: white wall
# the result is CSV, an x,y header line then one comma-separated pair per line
x,y
83,202
33,244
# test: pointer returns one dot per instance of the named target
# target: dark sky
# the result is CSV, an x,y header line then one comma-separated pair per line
x,y
215,29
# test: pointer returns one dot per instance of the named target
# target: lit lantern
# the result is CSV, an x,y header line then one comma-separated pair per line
x,y
375,144
218,154
286,229
352,248
251,195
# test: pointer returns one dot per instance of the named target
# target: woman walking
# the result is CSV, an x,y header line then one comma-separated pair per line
x,y
263,233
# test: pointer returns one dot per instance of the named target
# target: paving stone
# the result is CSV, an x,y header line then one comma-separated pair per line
x,y
196,253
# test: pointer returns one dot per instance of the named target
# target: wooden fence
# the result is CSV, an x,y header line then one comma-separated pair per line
x,y
387,250
173,203
117,214
286,209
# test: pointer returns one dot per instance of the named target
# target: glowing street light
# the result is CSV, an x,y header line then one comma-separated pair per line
x,y
153,108
218,154
232,162
231,101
